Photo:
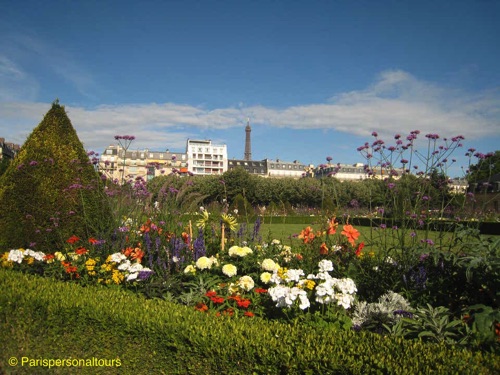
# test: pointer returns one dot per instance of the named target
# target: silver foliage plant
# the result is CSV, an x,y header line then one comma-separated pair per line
x,y
389,309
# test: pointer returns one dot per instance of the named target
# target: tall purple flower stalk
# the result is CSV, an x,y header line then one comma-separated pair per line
x,y
199,246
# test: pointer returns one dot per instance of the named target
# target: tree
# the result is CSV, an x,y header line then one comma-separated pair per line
x,y
51,191
487,166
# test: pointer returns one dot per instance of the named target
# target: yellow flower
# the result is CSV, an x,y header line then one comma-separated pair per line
x,y
309,284
200,223
5,262
190,269
30,260
117,277
265,277
371,254
90,264
230,221
59,256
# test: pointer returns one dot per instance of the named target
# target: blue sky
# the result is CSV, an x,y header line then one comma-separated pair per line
x,y
315,78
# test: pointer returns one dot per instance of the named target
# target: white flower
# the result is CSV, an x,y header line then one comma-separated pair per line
x,y
118,257
175,259
16,256
246,283
204,263
269,265
294,274
214,260
229,270
37,255
275,242
325,265
125,266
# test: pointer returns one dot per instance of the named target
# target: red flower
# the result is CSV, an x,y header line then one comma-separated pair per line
x,y
73,239
360,247
249,314
244,303
260,290
211,293
299,256
49,257
217,300
81,251
93,241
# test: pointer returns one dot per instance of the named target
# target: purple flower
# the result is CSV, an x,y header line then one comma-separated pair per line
x,y
33,163
391,185
374,134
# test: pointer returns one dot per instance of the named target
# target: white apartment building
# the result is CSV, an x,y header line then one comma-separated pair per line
x,y
205,158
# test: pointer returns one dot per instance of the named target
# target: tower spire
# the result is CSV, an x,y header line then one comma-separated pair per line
x,y
248,142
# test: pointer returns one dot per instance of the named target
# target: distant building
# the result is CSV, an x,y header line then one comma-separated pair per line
x,y
458,186
118,164
8,150
205,158
353,172
251,166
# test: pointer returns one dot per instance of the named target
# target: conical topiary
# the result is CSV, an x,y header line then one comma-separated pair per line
x,y
51,190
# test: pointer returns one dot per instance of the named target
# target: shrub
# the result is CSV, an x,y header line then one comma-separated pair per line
x,y
51,189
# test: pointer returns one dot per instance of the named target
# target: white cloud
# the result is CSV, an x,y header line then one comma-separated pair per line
x,y
396,102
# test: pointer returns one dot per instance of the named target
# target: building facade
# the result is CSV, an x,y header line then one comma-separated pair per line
x,y
8,150
205,158
124,165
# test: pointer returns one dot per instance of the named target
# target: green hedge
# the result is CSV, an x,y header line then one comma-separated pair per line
x,y
44,319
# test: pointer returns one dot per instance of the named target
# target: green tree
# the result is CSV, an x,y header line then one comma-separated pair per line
x,y
487,166
51,191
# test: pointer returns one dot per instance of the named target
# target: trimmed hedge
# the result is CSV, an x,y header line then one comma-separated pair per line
x,y
43,318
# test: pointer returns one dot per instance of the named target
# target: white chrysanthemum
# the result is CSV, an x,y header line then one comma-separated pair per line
x,y
246,283
229,270
239,251
190,269
269,265
265,277
325,265
16,256
203,263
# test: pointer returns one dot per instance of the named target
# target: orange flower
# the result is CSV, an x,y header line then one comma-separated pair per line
x,y
307,235
351,234
299,256
249,314
134,253
185,237
332,226
200,306
323,250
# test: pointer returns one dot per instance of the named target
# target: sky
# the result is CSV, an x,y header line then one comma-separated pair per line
x,y
314,78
